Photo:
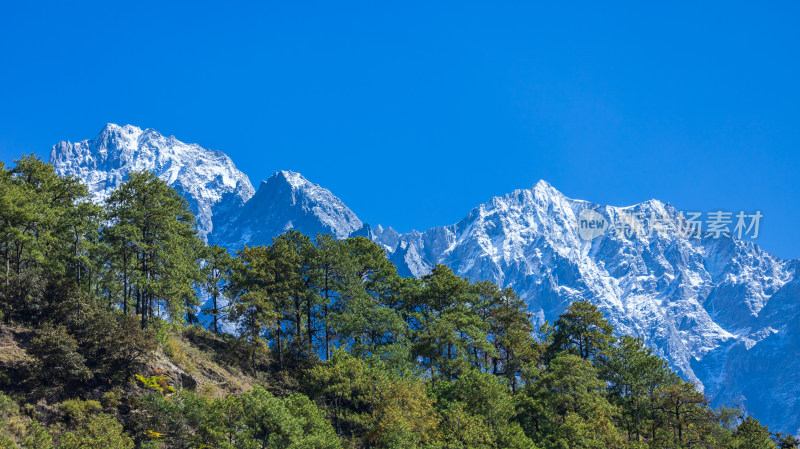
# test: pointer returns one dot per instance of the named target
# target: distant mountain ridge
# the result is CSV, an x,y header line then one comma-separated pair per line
x,y
723,312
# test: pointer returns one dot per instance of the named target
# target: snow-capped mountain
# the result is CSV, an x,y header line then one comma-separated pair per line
x,y
285,201
721,311
208,179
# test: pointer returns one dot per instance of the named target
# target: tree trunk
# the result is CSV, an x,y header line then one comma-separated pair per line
x,y
125,290
280,348
214,299
327,329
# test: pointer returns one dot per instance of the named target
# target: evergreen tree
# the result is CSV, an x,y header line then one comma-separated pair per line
x,y
785,441
567,406
510,331
582,330
448,332
327,281
216,272
152,224
101,432
634,375
752,435
44,221
684,413
366,316
254,306
370,403
290,292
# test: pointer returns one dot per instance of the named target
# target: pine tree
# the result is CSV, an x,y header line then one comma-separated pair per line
x,y
254,306
582,330
326,281
152,224
102,431
289,291
785,441
567,406
752,435
44,222
216,272
510,332
684,412
446,329
634,375
366,316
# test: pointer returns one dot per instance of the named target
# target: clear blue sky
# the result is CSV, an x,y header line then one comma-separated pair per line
x,y
413,113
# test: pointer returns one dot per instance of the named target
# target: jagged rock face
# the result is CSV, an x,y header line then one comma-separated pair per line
x,y
719,310
285,201
208,179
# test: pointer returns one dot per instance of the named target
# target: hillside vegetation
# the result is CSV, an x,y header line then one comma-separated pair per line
x,y
102,345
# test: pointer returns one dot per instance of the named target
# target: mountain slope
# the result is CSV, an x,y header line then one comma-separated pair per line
x,y
208,179
706,305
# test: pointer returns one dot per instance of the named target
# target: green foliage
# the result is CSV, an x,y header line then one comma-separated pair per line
x,y
110,399
567,406
58,360
785,441
448,333
17,431
100,432
254,419
112,343
478,411
635,377
215,273
582,330
36,437
155,247
752,435
291,423
372,403
46,230
156,382
77,412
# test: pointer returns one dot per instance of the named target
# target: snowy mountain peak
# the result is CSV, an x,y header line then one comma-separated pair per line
x,y
286,200
207,179
294,179
545,188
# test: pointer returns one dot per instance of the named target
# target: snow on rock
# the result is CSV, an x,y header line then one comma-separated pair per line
x,y
285,201
208,179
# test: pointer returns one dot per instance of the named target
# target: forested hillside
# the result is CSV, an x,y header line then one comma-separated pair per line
x,y
101,346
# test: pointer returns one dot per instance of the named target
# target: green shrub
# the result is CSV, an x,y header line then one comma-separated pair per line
x,y
158,383
111,399
57,360
77,412
101,431
8,407
17,431
36,437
